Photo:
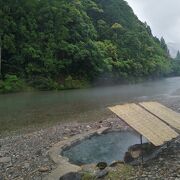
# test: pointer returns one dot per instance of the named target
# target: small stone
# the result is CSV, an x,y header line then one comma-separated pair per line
x,y
5,159
102,165
43,169
38,152
65,138
143,175
46,160
67,129
26,165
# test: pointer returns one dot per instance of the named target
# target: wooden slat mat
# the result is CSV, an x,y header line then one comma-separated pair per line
x,y
166,114
148,125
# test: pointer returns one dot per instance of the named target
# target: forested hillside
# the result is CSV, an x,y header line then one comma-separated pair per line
x,y
57,44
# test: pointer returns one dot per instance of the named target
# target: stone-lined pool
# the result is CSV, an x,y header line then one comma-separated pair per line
x,y
106,147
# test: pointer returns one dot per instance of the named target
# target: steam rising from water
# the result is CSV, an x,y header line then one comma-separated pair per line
x,y
22,109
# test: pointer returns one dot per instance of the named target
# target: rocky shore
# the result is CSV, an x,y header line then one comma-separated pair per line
x,y
166,166
25,156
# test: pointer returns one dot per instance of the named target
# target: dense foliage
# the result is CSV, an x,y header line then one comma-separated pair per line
x,y
56,44
176,64
177,58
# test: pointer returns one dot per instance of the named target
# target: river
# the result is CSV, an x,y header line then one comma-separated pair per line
x,y
38,108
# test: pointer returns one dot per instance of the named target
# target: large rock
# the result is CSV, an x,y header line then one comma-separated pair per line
x,y
128,157
145,148
135,151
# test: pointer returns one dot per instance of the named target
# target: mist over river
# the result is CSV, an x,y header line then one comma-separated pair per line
x,y
38,108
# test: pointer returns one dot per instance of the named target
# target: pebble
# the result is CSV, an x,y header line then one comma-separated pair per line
x,y
26,165
5,159
43,169
65,138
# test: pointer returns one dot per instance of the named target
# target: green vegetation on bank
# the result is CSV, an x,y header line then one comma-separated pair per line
x,y
120,171
176,64
65,44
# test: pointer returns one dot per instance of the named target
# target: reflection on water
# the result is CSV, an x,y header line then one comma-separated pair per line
x,y
80,105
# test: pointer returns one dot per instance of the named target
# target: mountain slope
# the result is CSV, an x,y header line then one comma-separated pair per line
x,y
62,43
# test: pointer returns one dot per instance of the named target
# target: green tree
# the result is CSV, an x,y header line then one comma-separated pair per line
x,y
44,42
177,56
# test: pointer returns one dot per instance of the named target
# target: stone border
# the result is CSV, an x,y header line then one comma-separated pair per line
x,y
63,164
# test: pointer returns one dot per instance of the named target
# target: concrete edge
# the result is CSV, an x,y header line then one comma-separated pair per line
x,y
64,166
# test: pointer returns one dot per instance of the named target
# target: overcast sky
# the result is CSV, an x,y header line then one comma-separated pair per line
x,y
163,16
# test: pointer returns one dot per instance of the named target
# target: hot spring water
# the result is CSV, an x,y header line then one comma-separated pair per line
x,y
102,148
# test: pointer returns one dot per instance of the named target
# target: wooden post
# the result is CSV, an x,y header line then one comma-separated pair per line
x,y
142,158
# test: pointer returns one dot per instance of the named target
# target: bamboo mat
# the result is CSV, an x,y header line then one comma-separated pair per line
x,y
145,123
166,114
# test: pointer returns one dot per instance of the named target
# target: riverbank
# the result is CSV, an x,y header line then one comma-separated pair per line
x,y
12,84
25,156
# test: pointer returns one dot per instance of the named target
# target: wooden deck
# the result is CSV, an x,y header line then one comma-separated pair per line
x,y
145,123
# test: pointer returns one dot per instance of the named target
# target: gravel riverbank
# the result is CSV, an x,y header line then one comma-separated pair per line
x,y
25,156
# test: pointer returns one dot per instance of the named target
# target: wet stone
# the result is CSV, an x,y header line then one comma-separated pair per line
x,y
102,165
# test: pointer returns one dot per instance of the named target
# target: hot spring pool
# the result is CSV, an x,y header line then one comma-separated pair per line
x,y
102,148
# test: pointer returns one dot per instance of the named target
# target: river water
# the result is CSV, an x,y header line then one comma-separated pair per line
x,y
38,108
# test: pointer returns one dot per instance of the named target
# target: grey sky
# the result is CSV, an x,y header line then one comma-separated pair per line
x,y
163,16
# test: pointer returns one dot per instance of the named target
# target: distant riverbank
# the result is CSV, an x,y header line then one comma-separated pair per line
x,y
12,84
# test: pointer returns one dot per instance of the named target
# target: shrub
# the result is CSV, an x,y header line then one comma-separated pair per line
x,y
11,83
43,83
71,83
